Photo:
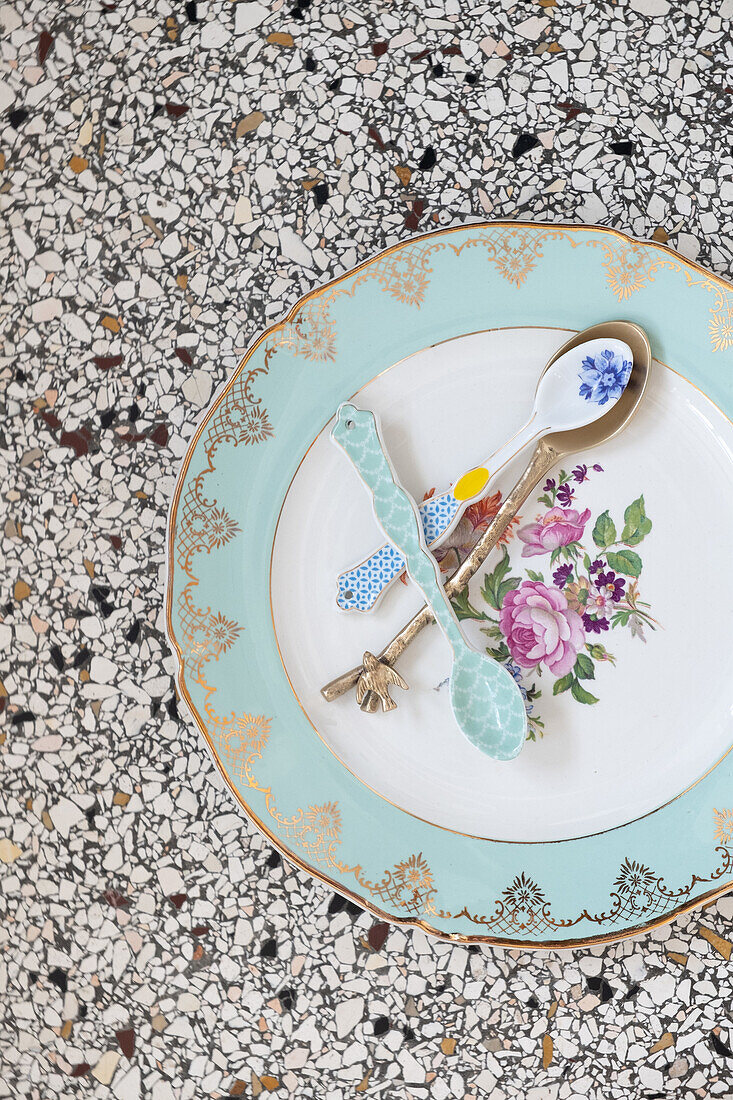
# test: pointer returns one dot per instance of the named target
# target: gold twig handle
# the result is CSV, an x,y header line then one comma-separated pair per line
x,y
543,459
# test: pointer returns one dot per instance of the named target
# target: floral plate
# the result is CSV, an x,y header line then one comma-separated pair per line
x,y
618,813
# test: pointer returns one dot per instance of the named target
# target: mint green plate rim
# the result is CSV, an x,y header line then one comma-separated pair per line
x,y
222,519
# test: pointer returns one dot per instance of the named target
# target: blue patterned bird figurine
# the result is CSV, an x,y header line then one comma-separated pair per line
x,y
487,702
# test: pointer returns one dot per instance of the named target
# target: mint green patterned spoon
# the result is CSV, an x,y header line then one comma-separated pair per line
x,y
486,701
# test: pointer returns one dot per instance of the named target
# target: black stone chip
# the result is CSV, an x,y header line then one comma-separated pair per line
x,y
719,1047
336,904
18,116
320,194
622,148
523,144
59,978
82,658
428,159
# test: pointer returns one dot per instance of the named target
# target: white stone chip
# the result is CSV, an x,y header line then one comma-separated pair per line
x,y
247,16
102,670
653,8
65,815
214,35
348,1015
293,247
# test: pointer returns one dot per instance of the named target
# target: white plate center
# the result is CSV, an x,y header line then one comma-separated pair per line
x,y
663,715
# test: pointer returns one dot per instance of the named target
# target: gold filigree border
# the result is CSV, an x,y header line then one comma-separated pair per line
x,y
629,269
409,885
237,416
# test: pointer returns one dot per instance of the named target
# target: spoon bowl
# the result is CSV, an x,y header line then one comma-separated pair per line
x,y
573,440
479,711
576,386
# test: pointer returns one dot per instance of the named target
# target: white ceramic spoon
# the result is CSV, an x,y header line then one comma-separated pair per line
x,y
578,388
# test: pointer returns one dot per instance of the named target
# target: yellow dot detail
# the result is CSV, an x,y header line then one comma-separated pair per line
x,y
471,483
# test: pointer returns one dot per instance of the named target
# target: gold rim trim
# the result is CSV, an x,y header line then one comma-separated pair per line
x,y
222,391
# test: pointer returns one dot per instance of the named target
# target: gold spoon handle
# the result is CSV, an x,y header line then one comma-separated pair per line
x,y
543,459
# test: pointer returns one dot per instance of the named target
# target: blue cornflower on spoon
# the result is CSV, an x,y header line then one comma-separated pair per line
x,y
604,376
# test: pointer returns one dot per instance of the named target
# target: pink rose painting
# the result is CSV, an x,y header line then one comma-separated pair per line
x,y
553,624
558,527
540,628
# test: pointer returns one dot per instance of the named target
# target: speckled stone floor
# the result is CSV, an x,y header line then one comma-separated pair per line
x,y
172,176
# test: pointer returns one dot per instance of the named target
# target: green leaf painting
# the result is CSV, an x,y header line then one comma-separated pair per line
x,y
495,586
604,531
625,561
637,524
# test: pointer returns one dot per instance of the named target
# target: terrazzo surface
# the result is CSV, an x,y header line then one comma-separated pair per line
x,y
172,177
